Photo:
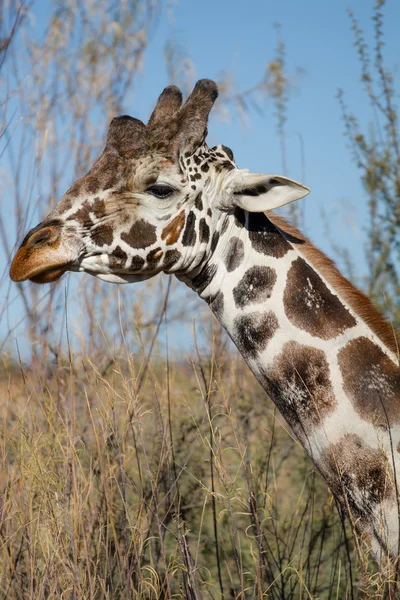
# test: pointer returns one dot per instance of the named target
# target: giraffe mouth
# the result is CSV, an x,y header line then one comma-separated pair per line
x,y
50,275
38,261
22,270
42,257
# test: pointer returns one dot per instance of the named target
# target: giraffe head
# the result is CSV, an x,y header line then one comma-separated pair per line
x,y
154,200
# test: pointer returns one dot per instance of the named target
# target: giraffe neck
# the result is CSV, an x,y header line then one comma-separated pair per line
x,y
332,377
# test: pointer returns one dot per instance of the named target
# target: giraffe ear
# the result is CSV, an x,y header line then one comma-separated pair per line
x,y
258,193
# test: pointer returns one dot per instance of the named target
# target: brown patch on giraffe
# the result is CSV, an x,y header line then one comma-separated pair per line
x,y
91,184
372,381
199,202
141,235
153,257
171,257
117,258
358,475
264,236
75,189
204,231
255,286
119,253
65,204
105,174
311,306
82,215
137,263
99,208
110,180
299,382
102,235
252,332
171,232
214,240
189,236
357,301
235,254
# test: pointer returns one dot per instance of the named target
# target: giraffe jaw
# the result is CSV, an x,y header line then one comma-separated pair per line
x,y
92,265
116,278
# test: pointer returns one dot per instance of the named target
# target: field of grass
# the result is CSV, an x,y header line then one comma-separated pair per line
x,y
127,476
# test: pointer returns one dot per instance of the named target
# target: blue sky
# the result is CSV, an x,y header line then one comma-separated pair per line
x,y
318,38
237,37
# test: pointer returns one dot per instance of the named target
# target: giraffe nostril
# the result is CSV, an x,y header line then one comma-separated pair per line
x,y
43,235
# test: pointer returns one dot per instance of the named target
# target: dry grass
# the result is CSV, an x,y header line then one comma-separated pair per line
x,y
124,476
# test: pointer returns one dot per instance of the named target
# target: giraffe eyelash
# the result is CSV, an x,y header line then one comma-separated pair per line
x,y
160,190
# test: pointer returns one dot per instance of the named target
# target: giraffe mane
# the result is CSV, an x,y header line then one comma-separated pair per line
x,y
360,303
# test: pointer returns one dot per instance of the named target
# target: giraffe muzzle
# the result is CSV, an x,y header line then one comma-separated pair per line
x,y
40,257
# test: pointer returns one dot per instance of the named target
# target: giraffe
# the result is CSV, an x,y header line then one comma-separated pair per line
x,y
159,199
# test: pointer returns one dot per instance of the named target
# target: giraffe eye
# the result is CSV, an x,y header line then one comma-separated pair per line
x,y
160,190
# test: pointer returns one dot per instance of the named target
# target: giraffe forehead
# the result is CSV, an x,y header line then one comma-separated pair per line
x,y
104,174
109,186
151,166
111,170
112,176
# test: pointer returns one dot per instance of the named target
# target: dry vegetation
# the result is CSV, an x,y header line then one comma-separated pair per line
x,y
131,475
126,476
127,473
